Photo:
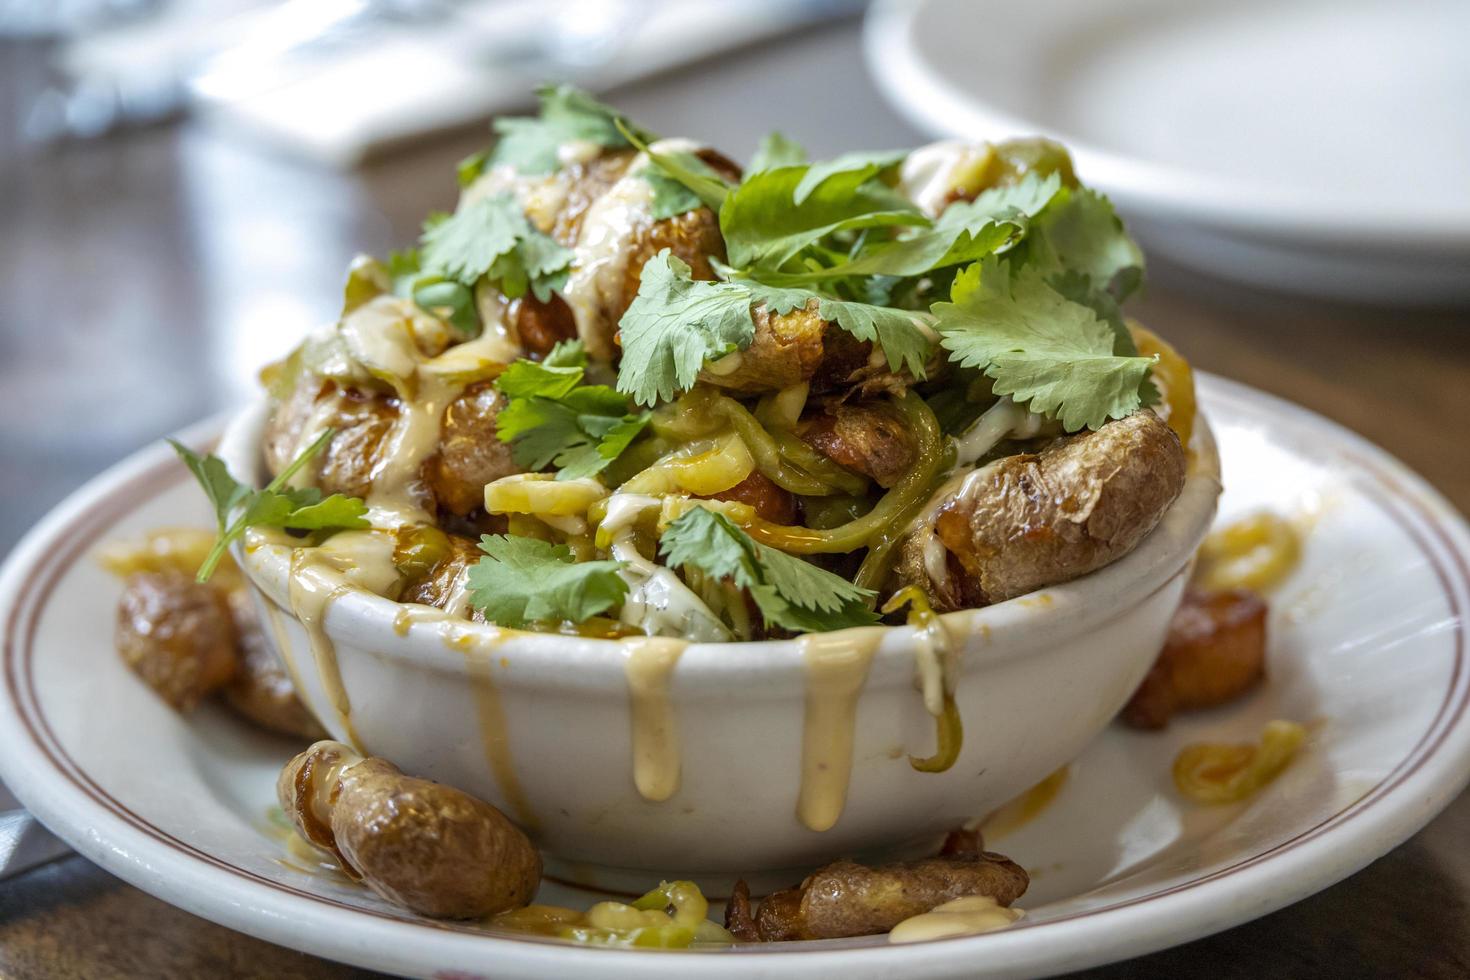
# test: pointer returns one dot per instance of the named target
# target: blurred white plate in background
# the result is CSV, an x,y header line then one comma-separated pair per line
x,y
1317,146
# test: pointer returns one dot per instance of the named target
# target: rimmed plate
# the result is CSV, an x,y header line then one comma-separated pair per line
x,y
1367,644
1315,146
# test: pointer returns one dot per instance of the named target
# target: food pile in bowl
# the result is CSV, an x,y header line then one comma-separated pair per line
x,y
629,392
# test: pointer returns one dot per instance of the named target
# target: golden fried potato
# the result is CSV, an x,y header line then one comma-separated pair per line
x,y
849,899
425,846
1028,521
260,691
787,350
442,580
470,453
866,437
541,326
177,635
769,501
361,421
1215,652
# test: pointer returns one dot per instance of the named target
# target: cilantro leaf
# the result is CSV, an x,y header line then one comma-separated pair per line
x,y
856,168
674,325
764,226
1082,234
492,237
776,150
526,580
302,509
1039,347
904,342
568,114
966,231
551,418
790,593
681,183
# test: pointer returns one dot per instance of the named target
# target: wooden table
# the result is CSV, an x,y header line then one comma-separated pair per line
x,y
143,277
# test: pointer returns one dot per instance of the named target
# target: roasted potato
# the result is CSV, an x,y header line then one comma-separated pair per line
x,y
470,453
177,635
769,501
1028,521
440,580
867,437
849,899
1215,652
425,846
260,691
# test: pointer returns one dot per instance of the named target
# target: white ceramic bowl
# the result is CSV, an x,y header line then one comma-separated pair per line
x,y
559,732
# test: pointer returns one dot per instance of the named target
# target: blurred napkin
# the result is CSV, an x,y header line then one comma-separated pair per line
x,y
338,80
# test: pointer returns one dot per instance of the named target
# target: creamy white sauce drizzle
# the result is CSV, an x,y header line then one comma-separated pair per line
x,y
601,254
836,669
649,664
312,591
930,173
969,915
494,732
658,603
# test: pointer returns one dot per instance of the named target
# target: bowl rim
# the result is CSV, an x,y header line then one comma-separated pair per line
x,y
990,634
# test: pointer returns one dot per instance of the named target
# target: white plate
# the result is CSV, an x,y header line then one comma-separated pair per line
x,y
1319,146
1367,640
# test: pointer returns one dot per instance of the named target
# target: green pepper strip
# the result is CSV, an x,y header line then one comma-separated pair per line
x,y
907,494
879,559
767,452
801,455
950,732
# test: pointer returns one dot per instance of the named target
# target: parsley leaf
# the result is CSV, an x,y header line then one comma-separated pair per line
x,y
776,150
764,226
1039,347
791,593
302,509
552,419
674,325
492,237
568,114
904,342
526,580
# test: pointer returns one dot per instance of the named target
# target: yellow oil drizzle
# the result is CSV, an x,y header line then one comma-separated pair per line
x,y
648,667
311,594
283,646
836,669
494,733
1012,816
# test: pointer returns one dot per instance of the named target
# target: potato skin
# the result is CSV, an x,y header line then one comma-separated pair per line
x,y
425,846
470,454
846,899
1028,521
177,635
867,437
1215,652
446,578
768,500
260,690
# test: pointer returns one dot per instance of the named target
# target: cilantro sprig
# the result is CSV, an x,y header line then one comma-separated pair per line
x,y
790,593
677,323
1044,350
552,418
568,114
298,509
522,581
492,238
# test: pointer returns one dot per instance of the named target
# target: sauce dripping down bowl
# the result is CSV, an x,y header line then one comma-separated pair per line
x,y
632,759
